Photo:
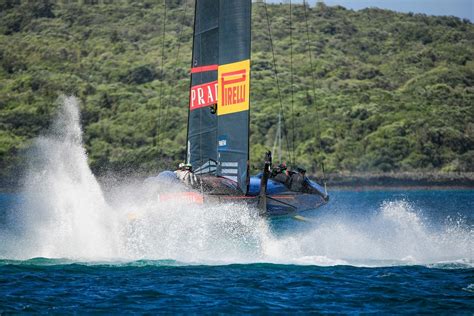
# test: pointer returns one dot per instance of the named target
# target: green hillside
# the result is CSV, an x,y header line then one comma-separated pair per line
x,y
393,91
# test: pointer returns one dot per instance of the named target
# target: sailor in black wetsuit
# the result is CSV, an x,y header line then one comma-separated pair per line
x,y
279,174
297,182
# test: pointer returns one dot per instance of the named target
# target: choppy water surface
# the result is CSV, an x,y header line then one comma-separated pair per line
x,y
164,287
68,244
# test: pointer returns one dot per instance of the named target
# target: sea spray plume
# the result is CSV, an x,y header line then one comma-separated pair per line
x,y
66,214
396,234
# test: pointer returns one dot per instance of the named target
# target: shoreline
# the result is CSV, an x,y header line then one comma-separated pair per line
x,y
401,181
355,188
399,188
366,181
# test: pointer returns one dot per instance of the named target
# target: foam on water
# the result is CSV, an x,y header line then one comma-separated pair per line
x,y
67,215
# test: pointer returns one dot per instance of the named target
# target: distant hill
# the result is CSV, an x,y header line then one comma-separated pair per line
x,y
393,91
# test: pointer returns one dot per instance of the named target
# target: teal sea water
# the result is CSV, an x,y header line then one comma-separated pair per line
x,y
70,245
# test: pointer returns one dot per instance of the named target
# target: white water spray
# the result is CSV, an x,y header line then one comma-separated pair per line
x,y
68,216
395,235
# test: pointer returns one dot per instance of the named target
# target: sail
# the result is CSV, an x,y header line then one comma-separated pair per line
x,y
234,90
202,124
218,136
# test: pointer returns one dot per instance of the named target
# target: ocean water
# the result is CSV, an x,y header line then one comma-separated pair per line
x,y
353,257
70,245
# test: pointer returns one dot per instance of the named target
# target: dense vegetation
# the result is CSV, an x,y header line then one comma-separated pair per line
x,y
392,91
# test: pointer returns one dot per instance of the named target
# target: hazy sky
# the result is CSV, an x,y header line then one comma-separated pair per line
x,y
459,8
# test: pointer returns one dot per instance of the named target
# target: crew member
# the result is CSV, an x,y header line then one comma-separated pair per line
x,y
297,181
279,174
186,175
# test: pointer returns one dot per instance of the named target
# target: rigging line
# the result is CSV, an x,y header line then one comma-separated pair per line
x,y
292,90
176,63
275,73
277,140
163,76
188,149
310,53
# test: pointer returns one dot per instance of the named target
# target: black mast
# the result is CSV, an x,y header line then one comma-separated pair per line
x,y
218,122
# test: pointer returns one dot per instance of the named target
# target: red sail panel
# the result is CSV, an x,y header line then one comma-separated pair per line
x,y
203,95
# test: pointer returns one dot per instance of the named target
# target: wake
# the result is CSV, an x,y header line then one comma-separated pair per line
x,y
67,215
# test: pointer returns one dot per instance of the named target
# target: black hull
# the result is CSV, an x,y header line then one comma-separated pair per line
x,y
288,203
211,189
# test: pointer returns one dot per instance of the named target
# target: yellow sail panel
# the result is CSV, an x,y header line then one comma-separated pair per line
x,y
234,87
